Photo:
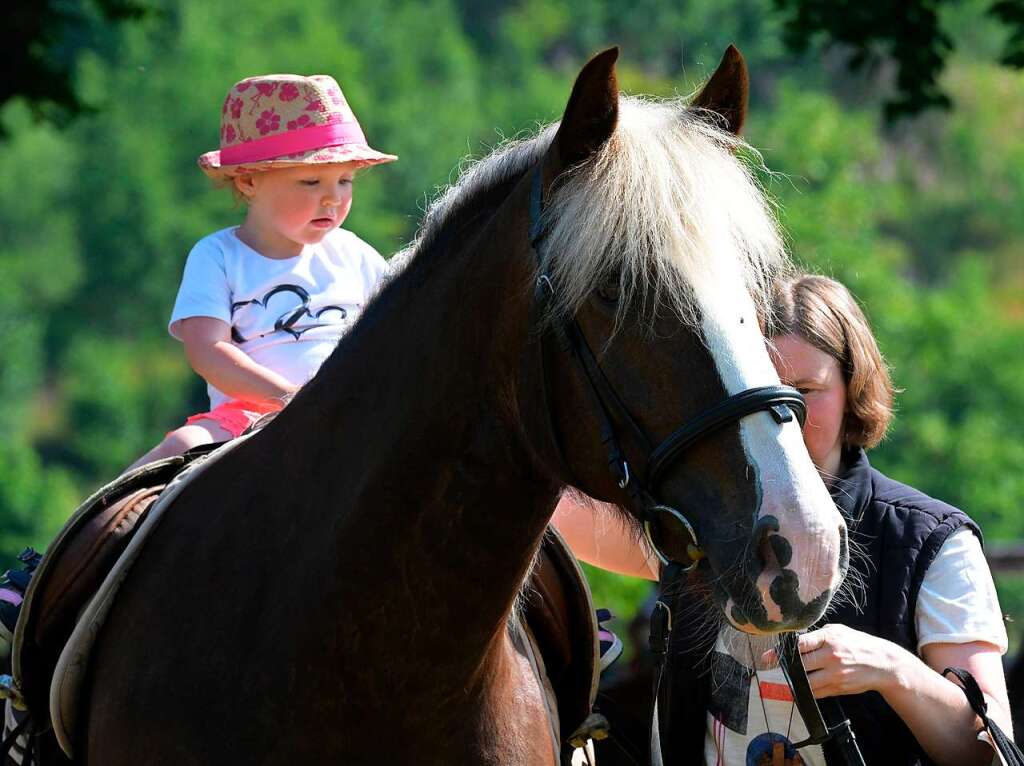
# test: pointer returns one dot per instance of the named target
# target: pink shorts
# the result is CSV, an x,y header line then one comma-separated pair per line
x,y
237,415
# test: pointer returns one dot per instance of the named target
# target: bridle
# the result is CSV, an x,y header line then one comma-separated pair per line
x,y
781,402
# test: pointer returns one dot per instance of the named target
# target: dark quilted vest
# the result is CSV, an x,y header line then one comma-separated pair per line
x,y
901,530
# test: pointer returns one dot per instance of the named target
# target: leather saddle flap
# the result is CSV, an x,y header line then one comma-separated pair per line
x,y
560,613
75,564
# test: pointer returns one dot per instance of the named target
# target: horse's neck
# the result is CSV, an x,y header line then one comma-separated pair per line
x,y
413,435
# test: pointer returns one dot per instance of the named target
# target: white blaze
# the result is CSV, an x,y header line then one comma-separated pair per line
x,y
791,489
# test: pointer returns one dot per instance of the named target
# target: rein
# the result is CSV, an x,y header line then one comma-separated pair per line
x,y
819,732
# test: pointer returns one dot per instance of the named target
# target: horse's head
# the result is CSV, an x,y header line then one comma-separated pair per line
x,y
656,250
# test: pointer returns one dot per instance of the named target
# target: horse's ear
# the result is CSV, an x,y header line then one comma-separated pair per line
x,y
726,92
592,112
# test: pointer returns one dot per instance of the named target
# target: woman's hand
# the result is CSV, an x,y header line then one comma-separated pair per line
x,y
840,660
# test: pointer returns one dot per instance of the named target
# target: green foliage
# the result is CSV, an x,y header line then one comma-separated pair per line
x,y
1011,598
41,43
34,501
911,36
925,221
619,593
114,390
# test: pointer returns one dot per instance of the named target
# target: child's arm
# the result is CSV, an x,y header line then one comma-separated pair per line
x,y
221,363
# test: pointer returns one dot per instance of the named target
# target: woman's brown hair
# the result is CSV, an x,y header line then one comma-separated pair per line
x,y
824,313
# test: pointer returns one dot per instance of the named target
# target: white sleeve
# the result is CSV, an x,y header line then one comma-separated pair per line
x,y
204,290
958,603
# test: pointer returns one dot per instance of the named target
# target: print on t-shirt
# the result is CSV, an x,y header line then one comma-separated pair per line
x,y
295,301
751,716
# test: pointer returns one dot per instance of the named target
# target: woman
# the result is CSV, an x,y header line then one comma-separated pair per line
x,y
923,601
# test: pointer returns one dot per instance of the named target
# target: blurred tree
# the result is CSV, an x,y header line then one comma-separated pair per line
x,y
41,42
907,32
925,221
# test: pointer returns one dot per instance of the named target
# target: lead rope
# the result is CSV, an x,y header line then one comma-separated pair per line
x,y
841,733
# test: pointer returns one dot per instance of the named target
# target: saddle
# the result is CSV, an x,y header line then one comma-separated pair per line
x,y
559,614
75,565
66,599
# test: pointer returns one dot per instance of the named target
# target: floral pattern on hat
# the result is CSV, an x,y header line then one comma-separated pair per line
x,y
275,109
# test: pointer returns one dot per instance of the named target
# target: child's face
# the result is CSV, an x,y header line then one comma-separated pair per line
x,y
292,207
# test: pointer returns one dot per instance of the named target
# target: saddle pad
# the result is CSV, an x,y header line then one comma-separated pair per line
x,y
559,612
70,676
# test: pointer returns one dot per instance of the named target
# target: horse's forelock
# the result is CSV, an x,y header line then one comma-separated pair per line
x,y
669,207
670,204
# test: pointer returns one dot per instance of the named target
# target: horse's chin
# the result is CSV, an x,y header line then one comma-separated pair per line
x,y
770,630
760,616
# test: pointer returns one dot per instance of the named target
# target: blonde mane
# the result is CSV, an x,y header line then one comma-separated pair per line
x,y
666,207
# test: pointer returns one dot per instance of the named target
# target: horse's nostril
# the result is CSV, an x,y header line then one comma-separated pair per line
x,y
765,556
765,548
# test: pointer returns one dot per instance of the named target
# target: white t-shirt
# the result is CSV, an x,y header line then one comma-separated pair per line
x,y
957,604
287,314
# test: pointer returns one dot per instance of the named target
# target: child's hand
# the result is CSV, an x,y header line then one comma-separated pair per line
x,y
222,364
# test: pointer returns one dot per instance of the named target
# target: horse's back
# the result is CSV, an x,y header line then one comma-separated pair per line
x,y
219,629
193,644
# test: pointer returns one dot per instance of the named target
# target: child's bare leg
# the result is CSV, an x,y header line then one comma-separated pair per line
x,y
185,438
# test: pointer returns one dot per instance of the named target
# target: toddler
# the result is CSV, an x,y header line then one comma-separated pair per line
x,y
263,304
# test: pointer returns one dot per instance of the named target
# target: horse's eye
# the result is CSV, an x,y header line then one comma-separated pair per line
x,y
609,288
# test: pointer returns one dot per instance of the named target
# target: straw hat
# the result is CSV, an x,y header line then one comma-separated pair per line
x,y
283,120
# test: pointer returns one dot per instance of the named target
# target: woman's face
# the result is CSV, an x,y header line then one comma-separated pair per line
x,y
818,377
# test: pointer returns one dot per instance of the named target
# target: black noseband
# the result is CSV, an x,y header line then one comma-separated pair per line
x,y
779,401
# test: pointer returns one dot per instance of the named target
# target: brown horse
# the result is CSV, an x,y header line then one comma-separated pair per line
x,y
339,587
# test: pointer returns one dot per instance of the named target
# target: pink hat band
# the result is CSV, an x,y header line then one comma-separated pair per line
x,y
280,120
293,142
